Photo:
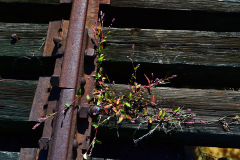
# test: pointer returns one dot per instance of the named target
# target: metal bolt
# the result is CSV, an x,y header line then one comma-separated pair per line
x,y
75,144
57,39
14,37
83,112
90,52
94,109
83,82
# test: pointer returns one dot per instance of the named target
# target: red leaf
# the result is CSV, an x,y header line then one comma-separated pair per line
x,y
153,100
147,79
106,111
128,117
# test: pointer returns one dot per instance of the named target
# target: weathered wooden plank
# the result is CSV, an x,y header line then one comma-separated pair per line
x,y
16,99
24,47
203,5
23,30
4,155
30,39
174,47
151,46
209,105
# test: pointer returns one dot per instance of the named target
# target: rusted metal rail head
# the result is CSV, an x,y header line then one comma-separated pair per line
x,y
61,144
75,64
76,72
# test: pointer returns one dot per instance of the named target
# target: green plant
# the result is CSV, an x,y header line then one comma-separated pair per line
x,y
131,105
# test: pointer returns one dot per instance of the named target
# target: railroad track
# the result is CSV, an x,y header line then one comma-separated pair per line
x,y
71,42
203,55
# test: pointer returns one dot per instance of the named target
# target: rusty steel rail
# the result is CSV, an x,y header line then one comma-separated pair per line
x,y
67,135
74,44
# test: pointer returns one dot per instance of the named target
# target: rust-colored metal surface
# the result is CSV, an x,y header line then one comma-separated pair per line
x,y
83,132
60,149
104,1
100,1
92,16
40,99
27,154
53,31
56,38
72,54
68,130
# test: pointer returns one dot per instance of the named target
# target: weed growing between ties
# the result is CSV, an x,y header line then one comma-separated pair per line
x,y
131,105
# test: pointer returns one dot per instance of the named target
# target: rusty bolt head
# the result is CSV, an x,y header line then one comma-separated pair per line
x,y
57,39
83,111
14,37
75,144
90,52
83,82
94,109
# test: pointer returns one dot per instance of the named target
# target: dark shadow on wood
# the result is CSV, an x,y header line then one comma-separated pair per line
x,y
34,13
170,19
190,76
16,135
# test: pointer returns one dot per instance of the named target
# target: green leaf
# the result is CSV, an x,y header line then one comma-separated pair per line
x,y
79,92
135,68
67,105
176,110
130,96
145,111
98,142
88,97
120,119
127,104
98,75
100,59
95,125
103,41
160,112
163,114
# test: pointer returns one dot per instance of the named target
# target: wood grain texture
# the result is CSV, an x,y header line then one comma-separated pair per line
x,y
30,41
202,5
4,155
151,46
174,47
209,105
16,99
